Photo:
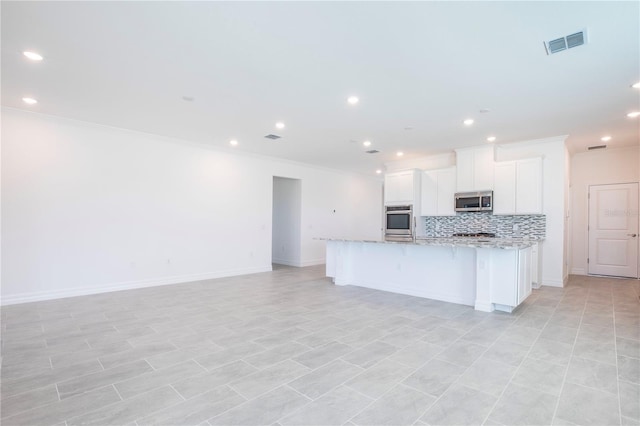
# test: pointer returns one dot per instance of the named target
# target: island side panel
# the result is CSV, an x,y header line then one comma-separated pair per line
x,y
332,258
484,278
435,272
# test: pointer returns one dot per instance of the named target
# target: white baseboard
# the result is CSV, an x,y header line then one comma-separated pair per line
x,y
127,285
286,262
503,308
313,262
484,306
299,264
552,283
578,271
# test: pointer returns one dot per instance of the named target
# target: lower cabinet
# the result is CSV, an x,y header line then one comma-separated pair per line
x,y
510,278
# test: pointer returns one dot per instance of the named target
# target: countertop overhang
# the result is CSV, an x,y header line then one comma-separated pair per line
x,y
493,243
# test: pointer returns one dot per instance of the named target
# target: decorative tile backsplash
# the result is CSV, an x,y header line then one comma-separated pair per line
x,y
531,226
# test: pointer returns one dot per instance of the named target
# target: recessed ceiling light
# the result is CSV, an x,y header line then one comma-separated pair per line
x,y
633,114
353,100
33,56
399,153
366,143
605,138
491,139
468,122
233,142
378,171
29,101
636,86
279,125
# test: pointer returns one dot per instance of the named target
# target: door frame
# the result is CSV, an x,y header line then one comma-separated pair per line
x,y
293,206
588,233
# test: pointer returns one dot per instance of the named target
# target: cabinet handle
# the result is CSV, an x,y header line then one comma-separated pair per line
x,y
632,235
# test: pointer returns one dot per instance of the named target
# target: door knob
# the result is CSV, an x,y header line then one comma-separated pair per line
x,y
632,235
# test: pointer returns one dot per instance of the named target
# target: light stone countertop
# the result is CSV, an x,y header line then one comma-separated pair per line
x,y
499,243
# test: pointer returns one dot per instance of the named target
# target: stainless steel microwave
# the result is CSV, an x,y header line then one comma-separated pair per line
x,y
481,201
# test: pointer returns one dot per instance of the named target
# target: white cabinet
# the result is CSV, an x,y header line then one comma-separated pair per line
x,y
518,187
438,189
504,188
529,186
464,166
402,188
511,278
474,168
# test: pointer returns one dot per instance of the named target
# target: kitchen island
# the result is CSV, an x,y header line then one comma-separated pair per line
x,y
488,274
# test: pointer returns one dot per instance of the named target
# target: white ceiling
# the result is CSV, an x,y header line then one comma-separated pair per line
x,y
425,65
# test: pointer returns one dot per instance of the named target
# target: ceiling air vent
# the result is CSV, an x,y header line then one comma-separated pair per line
x,y
273,137
372,151
597,147
575,40
566,42
557,45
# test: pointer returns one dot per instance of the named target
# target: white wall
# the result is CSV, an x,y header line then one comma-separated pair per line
x,y
88,208
285,240
611,165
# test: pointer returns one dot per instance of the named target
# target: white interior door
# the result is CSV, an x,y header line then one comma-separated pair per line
x,y
613,230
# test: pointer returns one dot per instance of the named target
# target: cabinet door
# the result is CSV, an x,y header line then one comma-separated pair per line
x,y
429,205
474,168
483,168
504,277
464,170
529,186
504,191
398,188
446,192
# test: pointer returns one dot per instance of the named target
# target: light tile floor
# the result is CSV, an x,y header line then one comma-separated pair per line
x,y
289,347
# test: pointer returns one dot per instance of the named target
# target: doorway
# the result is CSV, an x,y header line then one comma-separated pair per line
x,y
286,221
613,230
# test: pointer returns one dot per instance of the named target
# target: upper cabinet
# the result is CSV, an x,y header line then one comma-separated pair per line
x,y
402,188
474,168
438,190
518,187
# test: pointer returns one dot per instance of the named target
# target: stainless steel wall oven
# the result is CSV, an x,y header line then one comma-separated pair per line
x,y
399,222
